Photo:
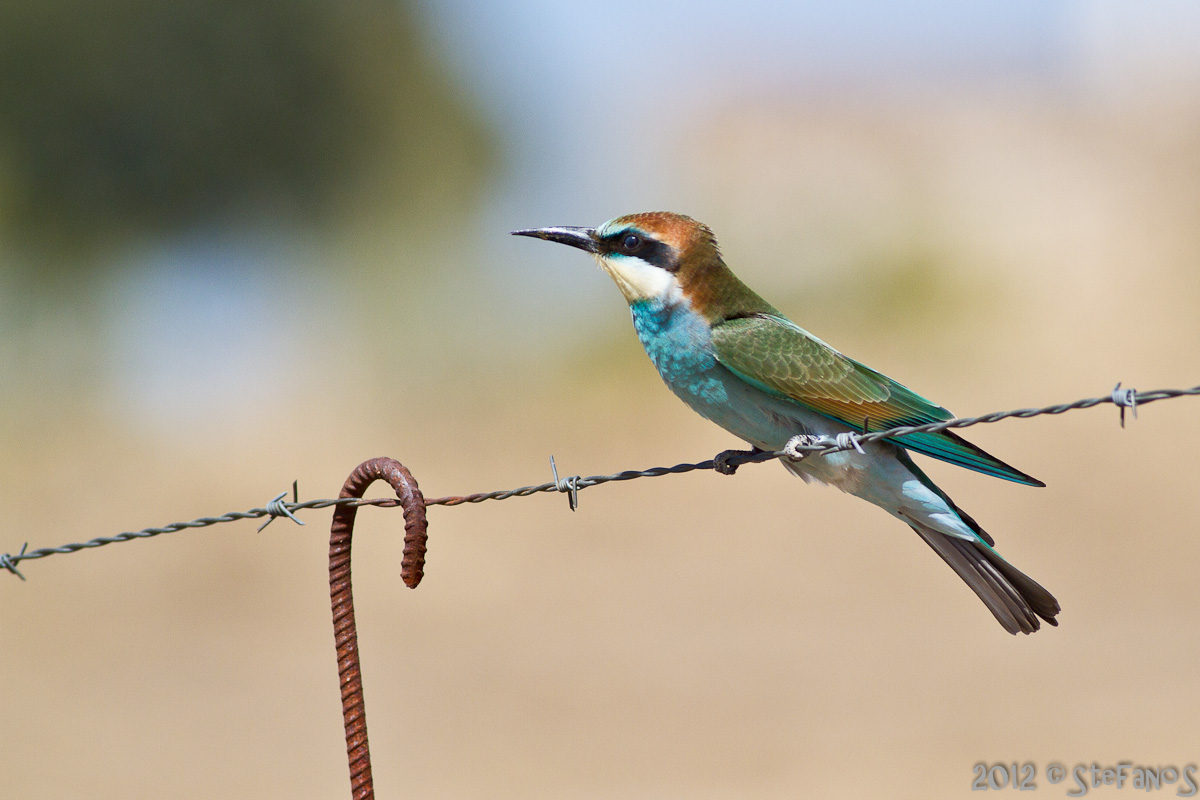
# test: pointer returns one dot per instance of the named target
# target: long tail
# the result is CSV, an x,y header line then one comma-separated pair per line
x,y
1016,600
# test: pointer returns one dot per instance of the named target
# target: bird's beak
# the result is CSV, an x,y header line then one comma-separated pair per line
x,y
583,238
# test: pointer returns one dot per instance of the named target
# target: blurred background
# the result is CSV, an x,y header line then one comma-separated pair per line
x,y
248,242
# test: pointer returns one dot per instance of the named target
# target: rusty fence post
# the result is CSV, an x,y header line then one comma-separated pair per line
x,y
341,597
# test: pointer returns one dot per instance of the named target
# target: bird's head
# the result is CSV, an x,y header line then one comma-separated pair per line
x,y
650,255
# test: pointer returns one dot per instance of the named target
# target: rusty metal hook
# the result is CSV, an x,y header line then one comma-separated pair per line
x,y
341,597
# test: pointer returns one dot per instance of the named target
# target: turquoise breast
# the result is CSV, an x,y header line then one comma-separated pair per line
x,y
679,343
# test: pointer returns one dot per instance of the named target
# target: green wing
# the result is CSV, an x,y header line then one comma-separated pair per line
x,y
777,356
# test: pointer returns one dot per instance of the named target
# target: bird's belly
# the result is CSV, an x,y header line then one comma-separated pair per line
x,y
768,422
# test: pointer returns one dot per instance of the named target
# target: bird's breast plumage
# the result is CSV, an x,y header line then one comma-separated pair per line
x,y
679,343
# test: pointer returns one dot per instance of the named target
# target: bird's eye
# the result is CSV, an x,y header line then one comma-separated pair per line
x,y
631,243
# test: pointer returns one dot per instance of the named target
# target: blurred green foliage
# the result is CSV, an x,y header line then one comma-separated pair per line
x,y
130,117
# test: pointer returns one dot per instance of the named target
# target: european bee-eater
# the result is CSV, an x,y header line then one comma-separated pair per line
x,y
736,360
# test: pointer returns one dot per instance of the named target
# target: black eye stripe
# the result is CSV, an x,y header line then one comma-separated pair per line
x,y
637,244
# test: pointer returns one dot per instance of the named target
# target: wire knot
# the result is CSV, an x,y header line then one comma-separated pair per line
x,y
278,508
1123,399
848,440
9,562
569,486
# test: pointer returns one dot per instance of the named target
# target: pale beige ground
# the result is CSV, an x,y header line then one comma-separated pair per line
x,y
683,637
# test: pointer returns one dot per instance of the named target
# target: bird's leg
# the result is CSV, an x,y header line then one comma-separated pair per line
x,y
721,461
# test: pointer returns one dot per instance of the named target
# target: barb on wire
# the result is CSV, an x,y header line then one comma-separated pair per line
x,y
570,485
9,562
726,462
1125,398
277,508
845,441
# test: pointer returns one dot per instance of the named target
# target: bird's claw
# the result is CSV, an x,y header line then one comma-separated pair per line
x,y
796,447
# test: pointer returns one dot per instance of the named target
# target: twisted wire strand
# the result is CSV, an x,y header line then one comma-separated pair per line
x,y
1122,398
830,445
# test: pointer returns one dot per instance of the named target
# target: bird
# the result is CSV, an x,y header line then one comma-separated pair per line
x,y
738,361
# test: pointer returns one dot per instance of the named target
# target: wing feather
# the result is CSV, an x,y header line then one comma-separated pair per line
x,y
777,356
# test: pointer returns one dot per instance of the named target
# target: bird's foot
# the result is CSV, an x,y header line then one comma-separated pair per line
x,y
725,462
797,446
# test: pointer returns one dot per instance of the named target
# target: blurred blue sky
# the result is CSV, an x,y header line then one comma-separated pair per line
x,y
589,103
580,88
595,102
585,93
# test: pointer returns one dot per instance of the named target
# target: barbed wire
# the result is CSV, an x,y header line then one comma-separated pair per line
x,y
798,447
